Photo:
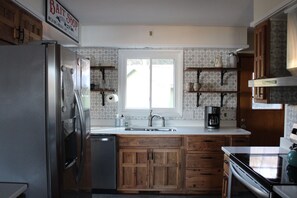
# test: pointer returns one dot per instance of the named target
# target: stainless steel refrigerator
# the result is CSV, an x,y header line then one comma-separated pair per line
x,y
44,119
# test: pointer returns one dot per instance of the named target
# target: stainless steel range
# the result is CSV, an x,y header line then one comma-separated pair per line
x,y
254,175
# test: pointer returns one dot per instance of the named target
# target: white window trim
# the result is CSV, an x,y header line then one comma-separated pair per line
x,y
178,78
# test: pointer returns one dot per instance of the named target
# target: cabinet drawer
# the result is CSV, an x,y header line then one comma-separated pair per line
x,y
240,141
203,179
208,160
156,142
226,164
205,143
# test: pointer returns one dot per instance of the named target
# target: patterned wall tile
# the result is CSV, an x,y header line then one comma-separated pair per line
x,y
197,57
290,119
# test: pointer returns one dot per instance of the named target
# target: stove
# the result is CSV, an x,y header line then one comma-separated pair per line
x,y
266,170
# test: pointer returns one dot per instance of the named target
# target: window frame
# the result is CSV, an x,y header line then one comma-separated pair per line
x,y
177,55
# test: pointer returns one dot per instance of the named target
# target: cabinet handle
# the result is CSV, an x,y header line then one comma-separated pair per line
x,y
206,174
16,33
206,157
208,141
150,156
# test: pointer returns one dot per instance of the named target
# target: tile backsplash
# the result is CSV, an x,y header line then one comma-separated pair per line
x,y
291,118
193,57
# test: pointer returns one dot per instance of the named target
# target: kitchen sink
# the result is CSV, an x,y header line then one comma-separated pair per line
x,y
150,129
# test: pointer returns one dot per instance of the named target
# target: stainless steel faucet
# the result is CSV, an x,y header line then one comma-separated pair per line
x,y
152,116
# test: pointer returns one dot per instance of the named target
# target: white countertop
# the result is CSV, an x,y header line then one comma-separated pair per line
x,y
179,131
286,191
12,190
254,150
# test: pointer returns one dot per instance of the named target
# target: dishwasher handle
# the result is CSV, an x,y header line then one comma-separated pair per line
x,y
103,139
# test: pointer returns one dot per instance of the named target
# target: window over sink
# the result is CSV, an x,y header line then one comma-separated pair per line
x,y
150,79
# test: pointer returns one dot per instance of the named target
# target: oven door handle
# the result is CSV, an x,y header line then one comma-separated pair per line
x,y
252,188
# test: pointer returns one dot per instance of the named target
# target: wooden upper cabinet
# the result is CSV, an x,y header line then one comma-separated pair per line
x,y
261,57
16,25
30,28
9,22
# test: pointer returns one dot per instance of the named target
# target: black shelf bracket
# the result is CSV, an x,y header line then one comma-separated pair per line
x,y
103,97
198,98
103,73
222,98
198,75
222,76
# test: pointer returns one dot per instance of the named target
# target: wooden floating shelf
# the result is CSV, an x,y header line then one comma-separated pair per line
x,y
223,94
223,70
212,91
210,68
105,90
103,67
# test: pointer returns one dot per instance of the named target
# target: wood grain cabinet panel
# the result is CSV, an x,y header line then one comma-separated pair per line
x,y
149,164
9,22
17,26
261,57
204,179
133,168
208,160
204,143
30,28
204,159
165,169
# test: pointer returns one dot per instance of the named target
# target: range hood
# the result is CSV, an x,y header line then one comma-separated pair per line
x,y
291,56
290,81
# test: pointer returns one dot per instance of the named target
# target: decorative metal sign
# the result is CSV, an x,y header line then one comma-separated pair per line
x,y
59,17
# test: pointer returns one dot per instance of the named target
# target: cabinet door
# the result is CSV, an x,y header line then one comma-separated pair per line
x,y
165,169
261,57
30,28
9,21
133,169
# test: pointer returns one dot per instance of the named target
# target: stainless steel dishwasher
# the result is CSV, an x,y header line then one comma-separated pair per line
x,y
104,162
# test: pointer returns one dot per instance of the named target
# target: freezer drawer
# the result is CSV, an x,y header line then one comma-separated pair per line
x,y
104,161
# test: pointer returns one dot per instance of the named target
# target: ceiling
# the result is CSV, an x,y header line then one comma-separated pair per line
x,y
162,12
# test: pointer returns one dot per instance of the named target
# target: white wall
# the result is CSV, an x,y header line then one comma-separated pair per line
x,y
36,7
264,9
163,36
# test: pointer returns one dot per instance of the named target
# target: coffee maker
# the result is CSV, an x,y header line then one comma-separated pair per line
x,y
212,117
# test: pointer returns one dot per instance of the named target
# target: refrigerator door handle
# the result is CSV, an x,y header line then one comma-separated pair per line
x,y
82,132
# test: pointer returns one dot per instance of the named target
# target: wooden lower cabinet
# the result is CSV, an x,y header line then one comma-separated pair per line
x,y
133,169
149,168
204,164
193,164
165,169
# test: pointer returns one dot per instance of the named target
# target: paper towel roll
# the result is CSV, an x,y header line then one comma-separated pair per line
x,y
112,98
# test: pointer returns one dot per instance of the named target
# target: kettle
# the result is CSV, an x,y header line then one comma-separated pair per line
x,y
233,60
